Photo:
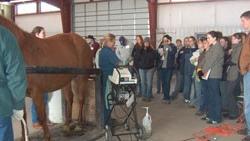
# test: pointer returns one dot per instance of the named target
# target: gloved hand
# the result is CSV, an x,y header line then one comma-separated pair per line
x,y
200,74
18,114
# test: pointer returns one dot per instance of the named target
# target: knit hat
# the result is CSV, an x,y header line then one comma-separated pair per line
x,y
123,41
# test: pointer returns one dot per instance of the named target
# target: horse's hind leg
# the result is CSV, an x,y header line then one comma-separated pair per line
x,y
81,90
68,94
41,111
83,93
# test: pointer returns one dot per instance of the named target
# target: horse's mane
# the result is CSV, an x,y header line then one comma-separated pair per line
x,y
17,31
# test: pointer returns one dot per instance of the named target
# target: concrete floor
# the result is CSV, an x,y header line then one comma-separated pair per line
x,y
174,122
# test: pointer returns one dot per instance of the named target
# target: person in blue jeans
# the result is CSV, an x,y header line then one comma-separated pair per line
x,y
189,69
212,70
147,67
167,53
107,61
39,32
13,83
244,66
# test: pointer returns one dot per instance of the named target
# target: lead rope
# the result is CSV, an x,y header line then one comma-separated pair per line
x,y
25,129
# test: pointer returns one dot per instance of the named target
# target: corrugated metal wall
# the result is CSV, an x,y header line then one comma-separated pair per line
x,y
121,17
181,20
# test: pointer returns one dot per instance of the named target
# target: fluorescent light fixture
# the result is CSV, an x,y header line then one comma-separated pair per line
x,y
5,3
17,1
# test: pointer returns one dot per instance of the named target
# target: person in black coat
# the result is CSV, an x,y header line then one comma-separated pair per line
x,y
147,64
136,53
167,53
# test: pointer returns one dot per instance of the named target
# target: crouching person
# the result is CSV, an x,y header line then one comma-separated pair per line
x,y
12,83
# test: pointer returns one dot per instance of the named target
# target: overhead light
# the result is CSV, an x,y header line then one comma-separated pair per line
x,y
18,1
5,3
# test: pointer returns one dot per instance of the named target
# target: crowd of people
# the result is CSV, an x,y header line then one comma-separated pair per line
x,y
211,71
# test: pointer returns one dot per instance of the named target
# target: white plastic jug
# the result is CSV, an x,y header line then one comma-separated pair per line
x,y
146,122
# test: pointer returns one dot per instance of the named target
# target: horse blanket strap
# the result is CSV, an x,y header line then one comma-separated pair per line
x,y
60,70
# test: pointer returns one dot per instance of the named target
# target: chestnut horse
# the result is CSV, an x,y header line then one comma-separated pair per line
x,y
62,50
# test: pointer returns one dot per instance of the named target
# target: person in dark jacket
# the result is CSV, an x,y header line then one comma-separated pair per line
x,y
136,52
147,63
189,69
212,70
167,53
180,68
233,78
13,83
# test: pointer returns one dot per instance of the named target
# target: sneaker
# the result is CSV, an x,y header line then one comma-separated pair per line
x,y
205,118
212,122
246,138
187,101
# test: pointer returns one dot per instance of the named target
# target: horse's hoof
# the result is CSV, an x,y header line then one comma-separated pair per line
x,y
78,128
66,128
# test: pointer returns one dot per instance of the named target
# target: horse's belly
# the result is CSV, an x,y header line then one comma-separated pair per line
x,y
49,82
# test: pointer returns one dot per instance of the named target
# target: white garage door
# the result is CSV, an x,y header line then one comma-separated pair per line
x,y
120,17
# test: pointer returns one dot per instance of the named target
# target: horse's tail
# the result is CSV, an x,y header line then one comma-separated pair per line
x,y
87,55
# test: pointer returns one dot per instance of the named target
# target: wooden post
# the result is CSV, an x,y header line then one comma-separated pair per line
x,y
152,8
99,102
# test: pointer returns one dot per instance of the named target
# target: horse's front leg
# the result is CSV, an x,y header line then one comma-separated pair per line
x,y
41,111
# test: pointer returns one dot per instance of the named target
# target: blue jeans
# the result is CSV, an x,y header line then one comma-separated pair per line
x,y
214,99
246,82
197,99
33,109
6,131
203,97
158,74
188,80
146,82
231,100
178,84
224,95
166,75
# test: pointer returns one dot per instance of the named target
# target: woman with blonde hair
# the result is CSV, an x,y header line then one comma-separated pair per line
x,y
107,62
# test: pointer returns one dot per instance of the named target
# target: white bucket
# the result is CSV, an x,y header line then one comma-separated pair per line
x,y
55,107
